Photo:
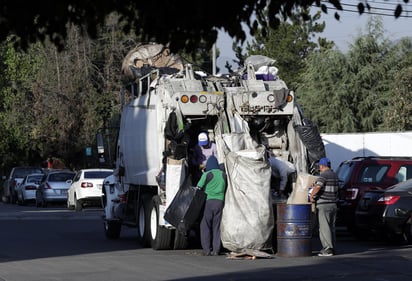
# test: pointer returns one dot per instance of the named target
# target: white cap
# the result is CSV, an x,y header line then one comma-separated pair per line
x,y
203,139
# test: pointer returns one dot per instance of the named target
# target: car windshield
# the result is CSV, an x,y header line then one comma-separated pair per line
x,y
22,172
97,174
34,179
61,177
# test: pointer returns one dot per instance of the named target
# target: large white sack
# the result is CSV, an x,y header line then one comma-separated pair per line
x,y
247,220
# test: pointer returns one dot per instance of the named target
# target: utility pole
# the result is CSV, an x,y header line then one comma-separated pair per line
x,y
214,59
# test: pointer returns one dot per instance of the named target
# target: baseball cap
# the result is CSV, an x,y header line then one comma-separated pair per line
x,y
324,161
203,139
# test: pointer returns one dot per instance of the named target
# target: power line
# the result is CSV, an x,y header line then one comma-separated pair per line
x,y
375,10
368,12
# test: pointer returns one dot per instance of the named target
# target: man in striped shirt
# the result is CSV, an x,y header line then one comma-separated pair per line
x,y
325,195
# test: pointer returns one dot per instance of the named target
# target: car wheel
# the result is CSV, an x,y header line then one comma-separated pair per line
x,y
22,201
408,232
77,204
69,206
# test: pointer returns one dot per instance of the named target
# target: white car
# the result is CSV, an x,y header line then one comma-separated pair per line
x,y
26,191
86,188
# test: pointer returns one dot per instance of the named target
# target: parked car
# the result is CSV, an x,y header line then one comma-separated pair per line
x,y
26,191
386,213
86,188
361,174
53,187
14,179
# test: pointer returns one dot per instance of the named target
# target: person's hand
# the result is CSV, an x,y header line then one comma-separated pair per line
x,y
202,167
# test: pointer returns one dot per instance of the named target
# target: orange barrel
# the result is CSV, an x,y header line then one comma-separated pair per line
x,y
294,230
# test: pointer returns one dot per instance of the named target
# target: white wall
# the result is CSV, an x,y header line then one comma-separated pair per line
x,y
340,147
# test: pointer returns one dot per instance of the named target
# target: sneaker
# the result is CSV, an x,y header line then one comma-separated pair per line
x,y
326,252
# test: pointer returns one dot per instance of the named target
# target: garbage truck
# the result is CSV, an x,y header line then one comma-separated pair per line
x,y
165,105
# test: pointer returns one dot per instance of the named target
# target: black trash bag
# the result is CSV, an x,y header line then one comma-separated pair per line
x,y
186,208
310,136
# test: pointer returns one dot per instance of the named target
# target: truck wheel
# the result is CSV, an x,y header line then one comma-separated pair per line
x,y
112,229
181,240
143,221
161,237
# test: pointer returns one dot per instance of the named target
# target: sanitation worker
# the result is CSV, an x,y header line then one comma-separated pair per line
x,y
325,195
213,182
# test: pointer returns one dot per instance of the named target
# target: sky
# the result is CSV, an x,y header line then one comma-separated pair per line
x,y
344,31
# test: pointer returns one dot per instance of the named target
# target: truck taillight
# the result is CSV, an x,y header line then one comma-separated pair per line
x,y
193,99
184,99
86,184
351,193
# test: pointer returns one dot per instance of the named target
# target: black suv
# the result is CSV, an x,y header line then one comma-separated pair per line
x,y
367,173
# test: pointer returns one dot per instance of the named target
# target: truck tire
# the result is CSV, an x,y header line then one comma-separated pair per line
x,y
180,240
161,237
112,229
143,221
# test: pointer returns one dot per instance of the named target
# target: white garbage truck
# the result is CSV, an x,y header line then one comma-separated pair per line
x,y
166,104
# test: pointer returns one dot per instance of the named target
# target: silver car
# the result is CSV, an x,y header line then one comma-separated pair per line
x,y
26,191
53,187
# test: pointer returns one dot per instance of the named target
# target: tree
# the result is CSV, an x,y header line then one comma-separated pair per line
x,y
290,44
181,23
54,102
357,91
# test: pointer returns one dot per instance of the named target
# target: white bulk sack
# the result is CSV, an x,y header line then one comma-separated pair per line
x,y
247,220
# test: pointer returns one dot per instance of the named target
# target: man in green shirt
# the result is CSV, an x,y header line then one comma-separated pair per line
x,y
213,182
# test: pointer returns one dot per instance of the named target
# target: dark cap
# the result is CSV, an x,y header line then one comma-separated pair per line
x,y
324,161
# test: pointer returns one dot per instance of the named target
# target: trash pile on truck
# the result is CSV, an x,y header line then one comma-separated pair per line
x,y
166,104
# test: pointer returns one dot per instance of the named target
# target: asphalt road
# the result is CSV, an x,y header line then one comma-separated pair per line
x,y
49,244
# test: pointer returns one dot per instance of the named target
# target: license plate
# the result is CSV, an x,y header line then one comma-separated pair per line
x,y
63,191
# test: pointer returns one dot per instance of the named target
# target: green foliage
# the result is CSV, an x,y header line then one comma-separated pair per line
x,y
357,92
54,102
290,44
182,23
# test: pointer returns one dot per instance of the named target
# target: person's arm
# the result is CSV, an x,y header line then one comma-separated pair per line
x,y
283,178
315,191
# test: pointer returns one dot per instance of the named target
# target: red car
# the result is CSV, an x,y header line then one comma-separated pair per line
x,y
367,173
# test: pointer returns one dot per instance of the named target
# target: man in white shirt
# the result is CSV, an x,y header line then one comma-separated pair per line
x,y
281,169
